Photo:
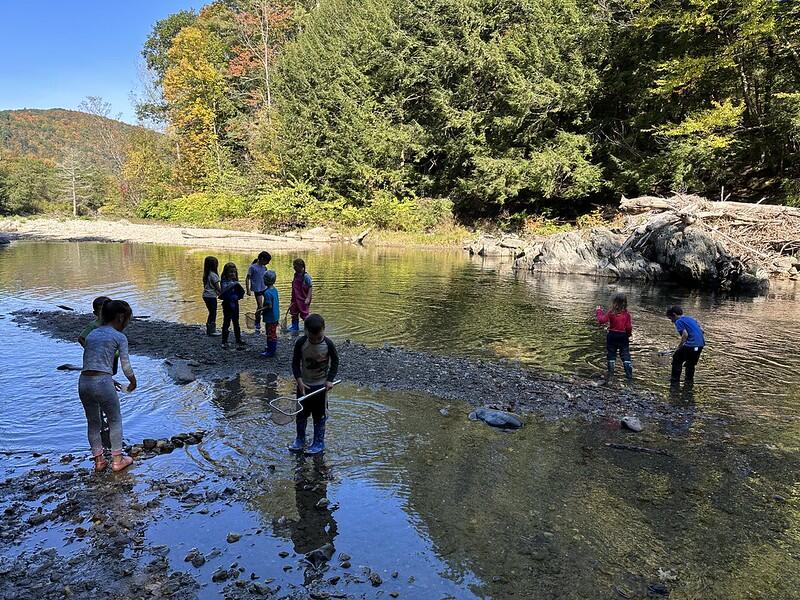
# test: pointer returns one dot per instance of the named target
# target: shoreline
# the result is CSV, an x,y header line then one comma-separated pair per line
x,y
502,385
70,229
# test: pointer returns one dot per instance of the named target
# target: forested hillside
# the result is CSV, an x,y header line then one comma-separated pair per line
x,y
400,113
47,134
60,160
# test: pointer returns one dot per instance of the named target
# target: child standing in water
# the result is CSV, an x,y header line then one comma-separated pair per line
x,y
254,283
211,291
315,363
619,333
272,314
231,293
691,345
96,387
301,294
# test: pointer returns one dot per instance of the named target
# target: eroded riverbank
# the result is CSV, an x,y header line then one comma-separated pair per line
x,y
505,385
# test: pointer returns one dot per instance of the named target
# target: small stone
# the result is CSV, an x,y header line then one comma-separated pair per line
x,y
323,503
343,556
283,554
219,575
321,555
149,443
375,579
233,537
632,423
37,519
67,458
778,498
444,412
334,580
260,589
394,594
395,575
345,564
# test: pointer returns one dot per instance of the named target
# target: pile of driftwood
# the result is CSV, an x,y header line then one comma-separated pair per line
x,y
761,236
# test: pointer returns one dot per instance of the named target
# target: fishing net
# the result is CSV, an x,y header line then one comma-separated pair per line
x,y
284,409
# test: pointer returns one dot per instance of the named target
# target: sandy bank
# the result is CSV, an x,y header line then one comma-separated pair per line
x,y
85,230
500,384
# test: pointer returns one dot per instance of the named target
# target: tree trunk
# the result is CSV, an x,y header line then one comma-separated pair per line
x,y
74,195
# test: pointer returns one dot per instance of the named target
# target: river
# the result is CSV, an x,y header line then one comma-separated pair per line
x,y
452,508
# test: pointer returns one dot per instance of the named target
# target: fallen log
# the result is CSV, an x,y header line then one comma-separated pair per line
x,y
726,208
359,239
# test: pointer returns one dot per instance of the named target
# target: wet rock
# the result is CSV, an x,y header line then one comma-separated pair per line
x,y
631,423
260,589
375,579
323,503
345,564
321,555
394,594
149,443
496,418
220,575
283,554
37,518
343,557
196,558
164,446
176,441
233,537
67,458
334,580
69,367
180,370
395,574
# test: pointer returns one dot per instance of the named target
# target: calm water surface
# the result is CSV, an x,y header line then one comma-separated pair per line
x,y
463,510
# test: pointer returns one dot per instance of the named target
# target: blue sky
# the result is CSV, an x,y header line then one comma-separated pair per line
x,y
54,53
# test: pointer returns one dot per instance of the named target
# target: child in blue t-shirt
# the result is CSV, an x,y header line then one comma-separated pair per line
x,y
271,314
692,343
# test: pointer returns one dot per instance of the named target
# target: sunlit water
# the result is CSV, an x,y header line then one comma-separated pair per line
x,y
463,510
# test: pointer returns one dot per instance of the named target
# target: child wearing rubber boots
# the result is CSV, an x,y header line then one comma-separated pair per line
x,y
691,345
301,294
315,363
619,333
272,314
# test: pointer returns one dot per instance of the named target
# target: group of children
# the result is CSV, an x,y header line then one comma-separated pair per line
x,y
620,330
315,361
259,282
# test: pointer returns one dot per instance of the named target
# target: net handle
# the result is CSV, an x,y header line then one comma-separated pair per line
x,y
299,400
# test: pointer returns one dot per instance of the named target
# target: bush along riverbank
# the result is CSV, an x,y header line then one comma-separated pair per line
x,y
687,239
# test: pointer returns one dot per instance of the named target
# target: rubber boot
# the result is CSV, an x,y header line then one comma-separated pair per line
x,y
319,437
300,441
628,369
295,326
272,348
612,364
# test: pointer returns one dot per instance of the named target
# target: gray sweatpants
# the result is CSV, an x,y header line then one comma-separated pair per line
x,y
96,393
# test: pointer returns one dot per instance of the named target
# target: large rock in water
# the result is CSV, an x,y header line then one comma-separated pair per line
x,y
496,418
682,253
589,253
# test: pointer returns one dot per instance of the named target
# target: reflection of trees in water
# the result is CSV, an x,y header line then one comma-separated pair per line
x,y
487,499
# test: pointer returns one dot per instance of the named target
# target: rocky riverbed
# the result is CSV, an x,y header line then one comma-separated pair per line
x,y
504,385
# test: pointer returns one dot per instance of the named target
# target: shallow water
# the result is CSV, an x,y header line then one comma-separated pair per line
x,y
466,511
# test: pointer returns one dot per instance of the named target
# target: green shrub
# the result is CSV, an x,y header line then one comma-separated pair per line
x,y
199,208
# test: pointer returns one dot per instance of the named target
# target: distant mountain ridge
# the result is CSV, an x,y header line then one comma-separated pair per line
x,y
49,133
